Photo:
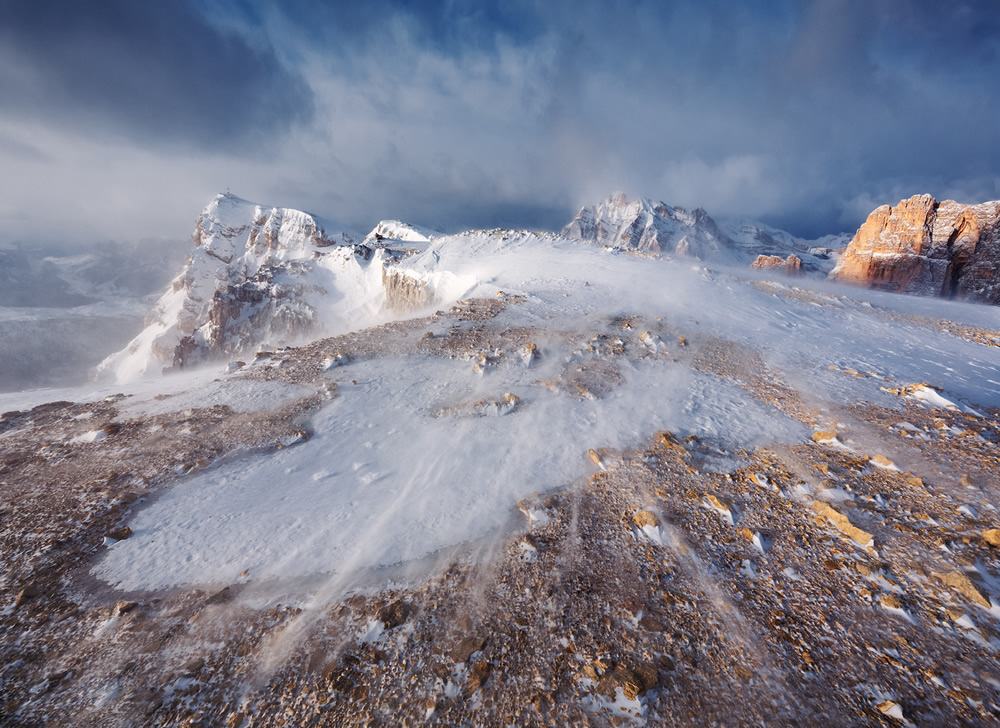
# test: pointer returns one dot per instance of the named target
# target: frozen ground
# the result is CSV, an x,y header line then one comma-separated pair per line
x,y
790,404
384,480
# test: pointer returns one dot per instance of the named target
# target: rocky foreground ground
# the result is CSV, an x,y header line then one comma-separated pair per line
x,y
811,582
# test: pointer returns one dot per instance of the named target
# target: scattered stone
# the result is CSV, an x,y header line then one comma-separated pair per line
x,y
891,709
964,586
124,607
220,597
193,667
651,624
891,601
119,534
883,462
720,504
620,677
669,441
954,613
843,524
394,614
30,591
742,673
466,647
479,674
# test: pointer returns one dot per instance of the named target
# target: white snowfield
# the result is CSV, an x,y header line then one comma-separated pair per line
x,y
384,480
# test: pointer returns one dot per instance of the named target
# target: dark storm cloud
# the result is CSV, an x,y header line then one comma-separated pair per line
x,y
152,71
806,114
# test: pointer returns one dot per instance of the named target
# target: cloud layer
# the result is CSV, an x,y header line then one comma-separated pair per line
x,y
122,120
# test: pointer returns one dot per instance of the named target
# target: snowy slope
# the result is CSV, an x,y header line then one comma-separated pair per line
x,y
385,480
431,516
61,314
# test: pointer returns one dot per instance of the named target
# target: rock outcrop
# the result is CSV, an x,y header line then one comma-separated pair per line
x,y
791,266
255,274
927,247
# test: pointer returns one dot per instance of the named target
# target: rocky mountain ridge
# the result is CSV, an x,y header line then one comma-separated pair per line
x,y
255,275
930,248
656,227
261,275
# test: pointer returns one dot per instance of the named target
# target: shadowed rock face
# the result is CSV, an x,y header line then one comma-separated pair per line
x,y
929,248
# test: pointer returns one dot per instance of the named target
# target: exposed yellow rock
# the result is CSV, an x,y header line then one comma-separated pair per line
x,y
883,461
992,537
718,504
824,435
645,518
891,601
669,441
843,524
926,247
964,586
791,266
595,457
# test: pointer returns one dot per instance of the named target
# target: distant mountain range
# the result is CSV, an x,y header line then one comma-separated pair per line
x,y
260,275
656,227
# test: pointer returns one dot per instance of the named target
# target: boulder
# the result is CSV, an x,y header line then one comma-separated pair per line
x,y
792,265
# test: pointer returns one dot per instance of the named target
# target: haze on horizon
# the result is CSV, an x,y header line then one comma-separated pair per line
x,y
121,121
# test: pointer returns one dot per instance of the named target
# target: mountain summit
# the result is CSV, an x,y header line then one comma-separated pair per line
x,y
254,274
649,226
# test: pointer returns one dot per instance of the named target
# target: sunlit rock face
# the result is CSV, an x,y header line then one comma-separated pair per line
x,y
927,247
792,265
649,226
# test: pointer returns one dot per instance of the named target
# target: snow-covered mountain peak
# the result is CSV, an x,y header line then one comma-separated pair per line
x,y
230,227
642,224
255,273
401,231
